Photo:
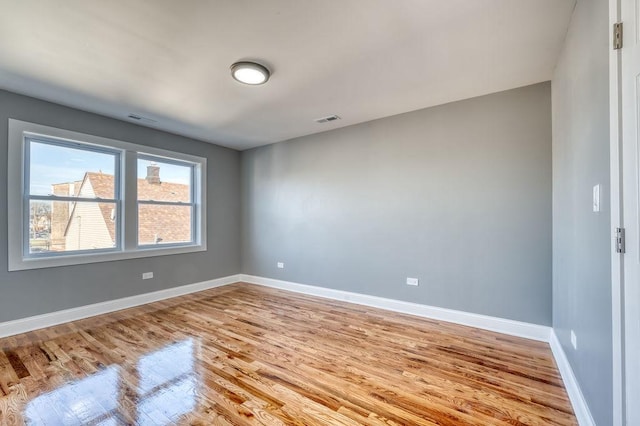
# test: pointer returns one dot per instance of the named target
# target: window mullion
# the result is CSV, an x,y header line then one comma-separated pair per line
x,y
165,203
129,182
54,198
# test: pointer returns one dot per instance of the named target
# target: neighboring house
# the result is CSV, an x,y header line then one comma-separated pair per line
x,y
92,225
60,213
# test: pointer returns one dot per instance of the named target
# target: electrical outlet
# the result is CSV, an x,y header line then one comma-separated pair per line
x,y
412,281
147,275
280,265
574,340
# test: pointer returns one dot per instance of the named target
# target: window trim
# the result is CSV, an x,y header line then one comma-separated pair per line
x,y
128,227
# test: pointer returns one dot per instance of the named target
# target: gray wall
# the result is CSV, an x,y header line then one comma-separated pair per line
x,y
27,293
581,238
458,196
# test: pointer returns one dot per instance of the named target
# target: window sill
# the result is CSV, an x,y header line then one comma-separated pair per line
x,y
84,258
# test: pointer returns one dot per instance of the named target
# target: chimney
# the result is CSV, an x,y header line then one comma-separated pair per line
x,y
153,174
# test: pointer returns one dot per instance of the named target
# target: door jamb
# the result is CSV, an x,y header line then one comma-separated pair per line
x,y
617,265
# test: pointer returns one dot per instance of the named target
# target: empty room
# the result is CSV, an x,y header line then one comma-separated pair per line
x,y
296,212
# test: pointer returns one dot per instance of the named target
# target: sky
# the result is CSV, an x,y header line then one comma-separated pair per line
x,y
51,164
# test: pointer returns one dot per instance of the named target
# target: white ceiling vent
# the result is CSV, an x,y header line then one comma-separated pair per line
x,y
327,119
141,119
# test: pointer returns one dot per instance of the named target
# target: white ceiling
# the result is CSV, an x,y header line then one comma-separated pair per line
x,y
360,59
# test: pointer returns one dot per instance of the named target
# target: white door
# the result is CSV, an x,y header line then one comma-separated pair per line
x,y
630,102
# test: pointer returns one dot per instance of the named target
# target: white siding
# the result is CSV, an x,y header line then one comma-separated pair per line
x,y
87,229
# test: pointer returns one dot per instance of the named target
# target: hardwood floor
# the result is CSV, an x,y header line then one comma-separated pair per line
x,y
249,355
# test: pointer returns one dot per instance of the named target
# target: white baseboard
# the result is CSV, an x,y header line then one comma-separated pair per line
x,y
571,384
23,325
500,325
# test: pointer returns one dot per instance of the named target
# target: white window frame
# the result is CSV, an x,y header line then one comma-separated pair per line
x,y
126,194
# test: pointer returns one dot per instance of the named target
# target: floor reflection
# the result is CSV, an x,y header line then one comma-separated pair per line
x,y
82,402
167,386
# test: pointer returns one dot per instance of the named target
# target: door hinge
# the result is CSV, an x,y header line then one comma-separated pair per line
x,y
617,36
620,243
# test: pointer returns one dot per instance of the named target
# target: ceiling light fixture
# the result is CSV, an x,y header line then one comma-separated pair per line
x,y
250,73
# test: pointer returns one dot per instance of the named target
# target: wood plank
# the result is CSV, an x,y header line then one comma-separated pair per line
x,y
249,355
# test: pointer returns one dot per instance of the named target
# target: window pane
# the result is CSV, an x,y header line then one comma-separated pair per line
x,y
163,224
160,181
70,172
57,226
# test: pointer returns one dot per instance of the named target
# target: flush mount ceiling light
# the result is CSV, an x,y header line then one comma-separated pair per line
x,y
250,73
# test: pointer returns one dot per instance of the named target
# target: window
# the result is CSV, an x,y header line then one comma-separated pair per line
x,y
76,198
72,197
165,206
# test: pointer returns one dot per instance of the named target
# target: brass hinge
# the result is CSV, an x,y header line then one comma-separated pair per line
x,y
617,36
620,243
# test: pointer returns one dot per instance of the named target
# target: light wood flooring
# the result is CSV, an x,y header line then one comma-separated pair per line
x,y
249,355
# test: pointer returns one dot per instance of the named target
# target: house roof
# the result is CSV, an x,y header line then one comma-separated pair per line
x,y
169,223
103,187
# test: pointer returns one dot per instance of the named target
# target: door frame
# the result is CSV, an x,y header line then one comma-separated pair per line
x,y
617,265
620,306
